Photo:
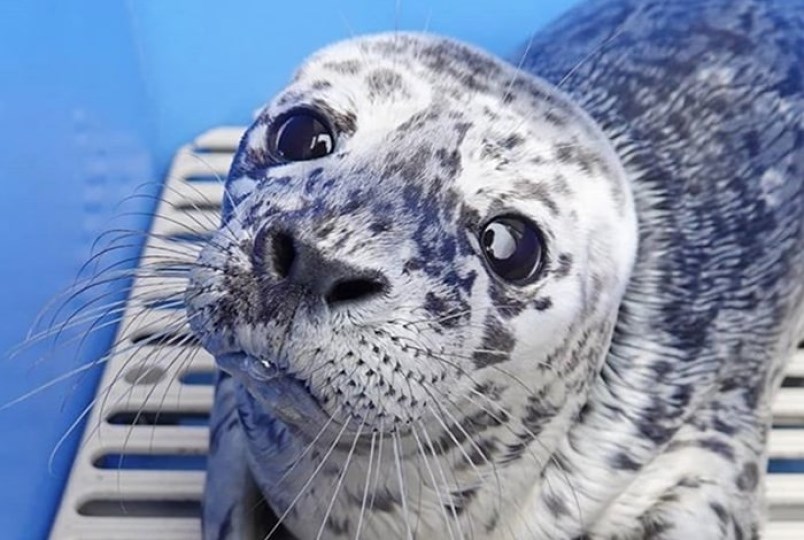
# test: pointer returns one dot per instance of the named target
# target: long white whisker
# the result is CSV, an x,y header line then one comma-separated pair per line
x,y
308,482
481,453
366,488
401,480
340,479
439,496
377,472
444,480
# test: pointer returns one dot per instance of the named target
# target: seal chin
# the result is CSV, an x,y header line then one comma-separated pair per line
x,y
289,399
285,396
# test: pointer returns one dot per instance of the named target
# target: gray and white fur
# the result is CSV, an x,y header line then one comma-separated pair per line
x,y
659,147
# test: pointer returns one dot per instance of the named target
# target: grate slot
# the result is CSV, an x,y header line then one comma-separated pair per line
x,y
199,378
140,508
150,462
158,418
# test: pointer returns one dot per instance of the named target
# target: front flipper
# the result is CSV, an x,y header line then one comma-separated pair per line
x,y
233,507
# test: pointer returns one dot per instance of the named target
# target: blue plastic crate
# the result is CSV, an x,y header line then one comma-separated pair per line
x,y
95,98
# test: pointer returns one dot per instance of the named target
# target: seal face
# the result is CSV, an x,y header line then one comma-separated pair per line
x,y
449,244
422,260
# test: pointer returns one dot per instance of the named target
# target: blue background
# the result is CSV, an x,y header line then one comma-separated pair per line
x,y
95,96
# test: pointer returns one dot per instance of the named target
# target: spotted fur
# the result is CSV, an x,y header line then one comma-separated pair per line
x,y
625,393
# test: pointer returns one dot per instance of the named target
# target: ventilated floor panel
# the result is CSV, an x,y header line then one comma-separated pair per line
x,y
140,470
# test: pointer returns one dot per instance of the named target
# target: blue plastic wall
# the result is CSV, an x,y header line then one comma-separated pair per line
x,y
95,96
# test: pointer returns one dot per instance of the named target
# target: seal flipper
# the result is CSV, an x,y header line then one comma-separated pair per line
x,y
233,507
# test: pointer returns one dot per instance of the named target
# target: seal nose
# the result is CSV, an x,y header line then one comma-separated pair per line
x,y
300,264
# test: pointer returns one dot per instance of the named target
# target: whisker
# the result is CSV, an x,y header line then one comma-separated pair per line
x,y
454,439
94,314
366,487
462,371
617,33
94,327
106,281
430,472
221,180
45,386
211,225
60,378
183,352
308,482
480,452
444,480
106,390
401,480
379,464
345,21
533,438
428,20
340,479
305,451
519,65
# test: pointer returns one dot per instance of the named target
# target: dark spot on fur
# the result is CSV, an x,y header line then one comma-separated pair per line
x,y
718,447
491,524
410,168
384,501
689,483
491,390
508,303
738,531
669,497
346,67
722,427
462,498
321,85
542,303
338,527
289,97
721,513
482,451
537,192
623,462
538,412
653,525
450,161
512,141
381,225
575,154
556,505
555,119
497,344
564,265
748,477
469,427
384,83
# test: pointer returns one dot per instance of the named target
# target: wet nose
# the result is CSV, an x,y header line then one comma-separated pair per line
x,y
287,258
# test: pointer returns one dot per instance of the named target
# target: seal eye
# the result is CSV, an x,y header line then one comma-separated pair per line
x,y
303,135
513,248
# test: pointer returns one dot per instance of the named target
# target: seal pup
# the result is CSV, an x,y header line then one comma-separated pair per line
x,y
457,297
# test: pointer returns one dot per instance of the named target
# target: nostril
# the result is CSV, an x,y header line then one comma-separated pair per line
x,y
354,289
284,253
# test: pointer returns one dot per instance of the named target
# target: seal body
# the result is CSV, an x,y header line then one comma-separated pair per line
x,y
380,380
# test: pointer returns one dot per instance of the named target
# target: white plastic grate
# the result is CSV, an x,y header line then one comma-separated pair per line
x,y
147,406
163,413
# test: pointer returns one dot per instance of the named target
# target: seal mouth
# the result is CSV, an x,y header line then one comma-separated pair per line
x,y
289,399
285,395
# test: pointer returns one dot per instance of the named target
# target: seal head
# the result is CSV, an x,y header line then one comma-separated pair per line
x,y
419,240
